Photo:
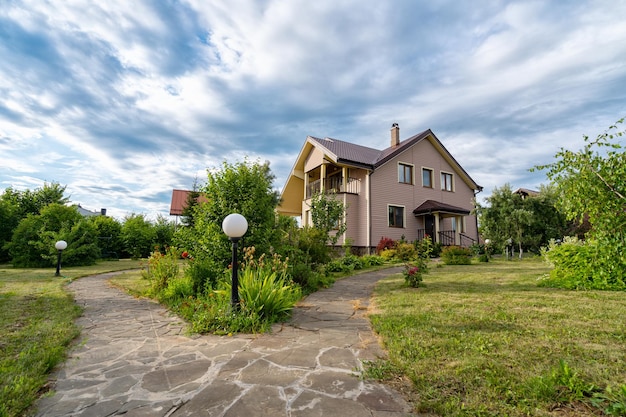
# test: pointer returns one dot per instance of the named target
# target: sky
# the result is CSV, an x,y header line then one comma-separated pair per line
x,y
123,101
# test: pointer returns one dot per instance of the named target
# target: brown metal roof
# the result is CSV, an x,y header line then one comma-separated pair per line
x,y
347,152
179,201
432,206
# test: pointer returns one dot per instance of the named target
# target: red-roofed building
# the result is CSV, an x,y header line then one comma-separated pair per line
x,y
179,201
410,189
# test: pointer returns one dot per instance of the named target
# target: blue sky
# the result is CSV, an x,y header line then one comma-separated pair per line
x,y
123,101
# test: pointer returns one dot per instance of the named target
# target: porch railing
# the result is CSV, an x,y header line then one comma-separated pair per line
x,y
352,186
466,240
446,237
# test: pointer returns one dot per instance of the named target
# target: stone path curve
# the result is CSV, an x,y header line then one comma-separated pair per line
x,y
135,359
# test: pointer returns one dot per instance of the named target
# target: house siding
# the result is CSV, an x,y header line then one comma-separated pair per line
x,y
386,190
313,160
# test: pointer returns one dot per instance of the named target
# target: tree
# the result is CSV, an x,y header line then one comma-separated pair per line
x,y
16,205
327,215
108,232
34,238
191,204
164,232
504,218
138,236
244,188
591,184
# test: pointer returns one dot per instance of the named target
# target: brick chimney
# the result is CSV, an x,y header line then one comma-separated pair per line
x,y
395,135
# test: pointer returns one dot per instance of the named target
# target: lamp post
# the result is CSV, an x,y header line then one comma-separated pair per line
x,y
235,226
60,245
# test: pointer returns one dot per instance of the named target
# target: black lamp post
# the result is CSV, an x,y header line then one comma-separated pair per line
x,y
235,226
60,246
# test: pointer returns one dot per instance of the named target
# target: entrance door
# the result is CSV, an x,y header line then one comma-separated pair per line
x,y
429,225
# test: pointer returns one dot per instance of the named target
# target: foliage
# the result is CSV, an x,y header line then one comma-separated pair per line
x,y
345,264
414,270
590,184
412,275
204,274
189,210
424,248
405,251
108,232
267,295
307,252
372,260
476,340
163,232
162,268
328,215
34,238
582,265
456,255
385,243
244,188
138,236
16,205
265,287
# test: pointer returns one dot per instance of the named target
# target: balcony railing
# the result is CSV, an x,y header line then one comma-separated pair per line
x,y
352,186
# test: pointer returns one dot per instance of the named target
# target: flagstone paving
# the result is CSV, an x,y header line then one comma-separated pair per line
x,y
136,359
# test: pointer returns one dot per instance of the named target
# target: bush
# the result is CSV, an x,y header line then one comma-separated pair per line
x,y
161,268
584,265
385,243
413,275
346,263
372,260
456,255
204,274
424,247
405,252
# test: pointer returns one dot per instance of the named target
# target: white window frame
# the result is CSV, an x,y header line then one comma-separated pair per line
x,y
403,216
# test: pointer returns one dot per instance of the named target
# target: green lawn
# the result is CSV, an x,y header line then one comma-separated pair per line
x,y
485,340
36,328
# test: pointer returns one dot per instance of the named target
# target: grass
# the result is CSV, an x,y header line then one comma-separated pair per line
x,y
485,340
36,328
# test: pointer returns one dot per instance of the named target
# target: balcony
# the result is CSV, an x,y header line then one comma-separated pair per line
x,y
352,186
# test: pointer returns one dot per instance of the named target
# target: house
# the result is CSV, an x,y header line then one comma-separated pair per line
x,y
411,189
87,213
526,192
180,199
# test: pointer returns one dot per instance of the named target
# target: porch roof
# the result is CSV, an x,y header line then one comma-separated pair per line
x,y
432,206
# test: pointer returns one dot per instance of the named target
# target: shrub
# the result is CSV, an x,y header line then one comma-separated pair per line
x,y
412,274
456,255
265,287
385,243
372,260
204,274
424,247
388,254
161,268
584,265
405,252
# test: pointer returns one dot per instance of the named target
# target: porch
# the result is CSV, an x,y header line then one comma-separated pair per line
x,y
444,223
330,178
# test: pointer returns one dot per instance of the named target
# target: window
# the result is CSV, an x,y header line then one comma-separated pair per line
x,y
446,181
405,173
396,216
427,177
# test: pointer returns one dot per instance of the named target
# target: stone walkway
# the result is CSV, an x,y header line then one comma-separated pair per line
x,y
135,359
